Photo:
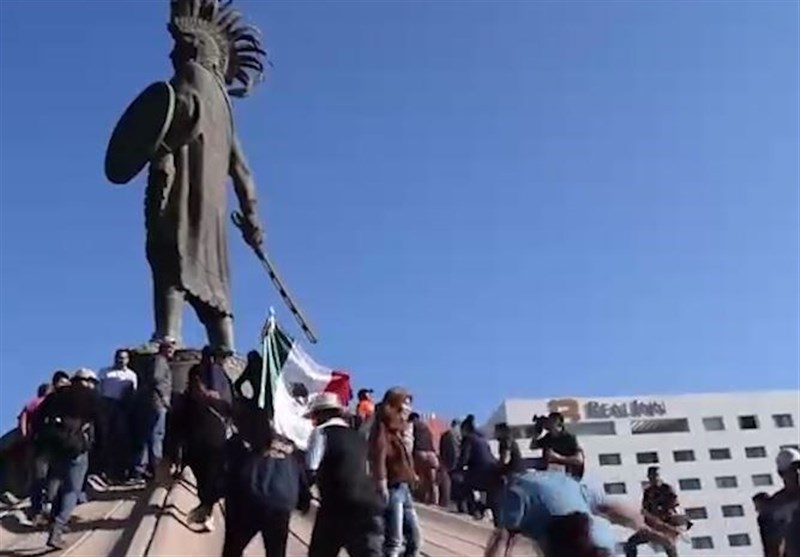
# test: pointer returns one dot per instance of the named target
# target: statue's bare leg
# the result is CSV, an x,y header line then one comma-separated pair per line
x,y
168,305
220,331
219,326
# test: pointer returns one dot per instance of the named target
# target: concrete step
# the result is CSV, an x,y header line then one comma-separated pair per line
x,y
154,523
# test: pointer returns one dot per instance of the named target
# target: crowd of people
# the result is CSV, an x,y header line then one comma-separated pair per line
x,y
110,425
367,468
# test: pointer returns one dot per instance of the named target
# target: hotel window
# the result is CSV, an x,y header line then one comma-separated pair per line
x,y
591,428
726,482
660,425
739,540
783,420
702,542
690,484
647,458
719,454
615,488
610,459
697,513
755,452
686,455
714,424
762,480
795,447
748,422
732,511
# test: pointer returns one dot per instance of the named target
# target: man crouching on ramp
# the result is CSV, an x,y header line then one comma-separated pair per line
x,y
564,518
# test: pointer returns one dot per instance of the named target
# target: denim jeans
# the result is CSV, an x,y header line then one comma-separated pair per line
x,y
151,442
118,452
39,488
402,525
67,482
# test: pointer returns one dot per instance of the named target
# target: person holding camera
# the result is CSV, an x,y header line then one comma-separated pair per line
x,y
560,449
659,501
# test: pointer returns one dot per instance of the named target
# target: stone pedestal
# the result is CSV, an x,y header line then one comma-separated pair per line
x,y
181,364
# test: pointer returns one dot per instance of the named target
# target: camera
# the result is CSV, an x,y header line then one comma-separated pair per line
x,y
539,421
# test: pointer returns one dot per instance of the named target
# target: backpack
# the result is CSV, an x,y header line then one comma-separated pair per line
x,y
67,435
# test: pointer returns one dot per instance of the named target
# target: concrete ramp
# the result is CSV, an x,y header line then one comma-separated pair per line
x,y
153,523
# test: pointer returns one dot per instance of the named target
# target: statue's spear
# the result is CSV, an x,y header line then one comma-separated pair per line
x,y
239,222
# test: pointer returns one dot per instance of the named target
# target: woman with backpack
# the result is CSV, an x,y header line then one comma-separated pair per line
x,y
266,481
209,426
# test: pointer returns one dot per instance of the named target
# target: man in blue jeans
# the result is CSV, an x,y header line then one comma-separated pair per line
x,y
71,421
155,396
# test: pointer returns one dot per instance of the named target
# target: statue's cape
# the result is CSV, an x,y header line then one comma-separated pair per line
x,y
139,132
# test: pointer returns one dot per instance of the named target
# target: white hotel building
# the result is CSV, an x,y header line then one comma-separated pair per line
x,y
716,450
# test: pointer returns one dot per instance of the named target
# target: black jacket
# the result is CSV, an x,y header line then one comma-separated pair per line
x,y
274,481
449,450
76,402
342,476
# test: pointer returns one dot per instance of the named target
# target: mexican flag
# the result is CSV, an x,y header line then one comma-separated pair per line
x,y
295,379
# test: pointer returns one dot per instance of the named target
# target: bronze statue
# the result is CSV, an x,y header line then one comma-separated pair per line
x,y
185,130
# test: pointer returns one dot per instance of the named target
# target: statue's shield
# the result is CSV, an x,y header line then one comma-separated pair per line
x,y
139,132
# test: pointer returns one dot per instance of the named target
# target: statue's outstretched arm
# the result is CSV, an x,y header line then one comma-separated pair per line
x,y
244,186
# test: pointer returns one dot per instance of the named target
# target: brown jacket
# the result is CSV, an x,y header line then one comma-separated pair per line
x,y
390,459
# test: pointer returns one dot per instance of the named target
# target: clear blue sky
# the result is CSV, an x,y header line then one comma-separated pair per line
x,y
478,200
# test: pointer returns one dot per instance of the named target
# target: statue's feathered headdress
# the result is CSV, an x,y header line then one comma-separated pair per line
x,y
234,46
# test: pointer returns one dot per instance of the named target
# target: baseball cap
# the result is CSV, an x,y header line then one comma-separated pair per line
x,y
787,458
85,373
363,392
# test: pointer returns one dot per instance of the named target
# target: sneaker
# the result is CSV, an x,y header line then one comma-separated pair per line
x,y
135,481
56,539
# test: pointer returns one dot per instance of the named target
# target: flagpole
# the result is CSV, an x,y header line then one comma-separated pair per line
x,y
267,331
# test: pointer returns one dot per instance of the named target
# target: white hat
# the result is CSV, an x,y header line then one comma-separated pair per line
x,y
324,401
85,373
787,458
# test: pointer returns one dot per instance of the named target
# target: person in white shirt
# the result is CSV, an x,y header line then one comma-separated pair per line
x,y
118,384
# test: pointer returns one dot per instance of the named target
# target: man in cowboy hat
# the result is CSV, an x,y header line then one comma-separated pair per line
x,y
350,507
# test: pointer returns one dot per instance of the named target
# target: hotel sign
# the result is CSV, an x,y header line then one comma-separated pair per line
x,y
633,409
593,410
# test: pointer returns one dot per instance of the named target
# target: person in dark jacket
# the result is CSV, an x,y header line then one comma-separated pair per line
x,y
479,465
39,492
426,461
449,447
350,508
251,378
155,397
511,462
210,407
71,424
266,483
